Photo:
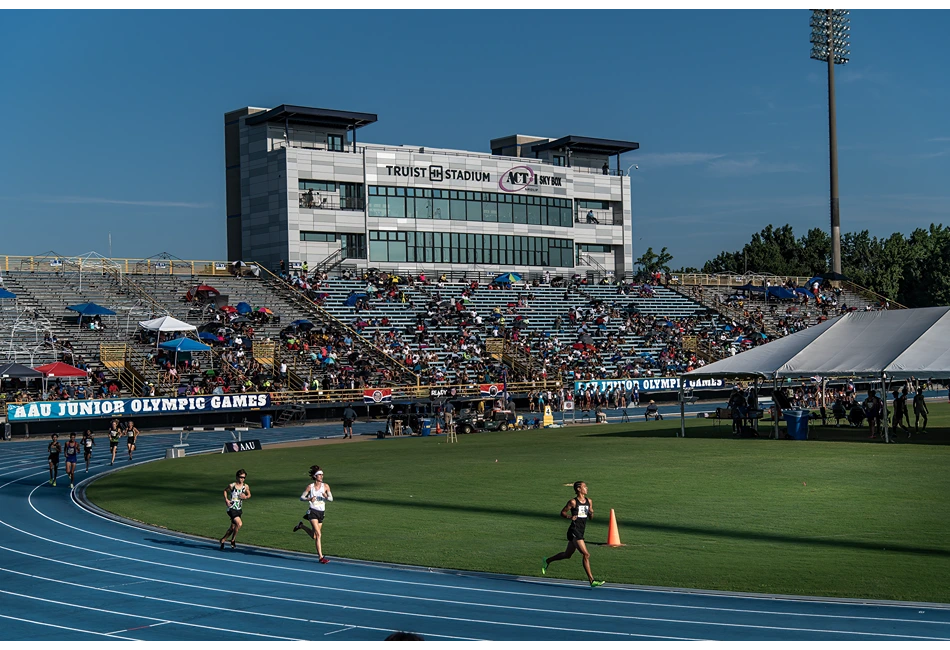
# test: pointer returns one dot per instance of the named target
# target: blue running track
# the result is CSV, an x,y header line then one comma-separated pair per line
x,y
69,573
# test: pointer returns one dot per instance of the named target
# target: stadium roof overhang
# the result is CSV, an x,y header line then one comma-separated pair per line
x,y
321,117
581,144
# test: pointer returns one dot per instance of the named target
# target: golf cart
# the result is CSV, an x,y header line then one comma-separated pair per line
x,y
494,421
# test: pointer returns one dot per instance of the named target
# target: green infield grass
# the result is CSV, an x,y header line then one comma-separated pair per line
x,y
838,518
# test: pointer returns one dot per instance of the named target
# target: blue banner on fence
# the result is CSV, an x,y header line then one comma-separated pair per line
x,y
648,384
139,407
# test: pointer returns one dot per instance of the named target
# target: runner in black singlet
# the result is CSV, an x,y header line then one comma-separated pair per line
x,y
72,450
234,496
87,443
53,448
114,434
578,510
131,434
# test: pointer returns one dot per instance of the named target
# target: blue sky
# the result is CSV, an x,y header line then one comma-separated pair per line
x,y
114,118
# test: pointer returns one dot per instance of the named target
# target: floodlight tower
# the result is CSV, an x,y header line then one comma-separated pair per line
x,y
830,30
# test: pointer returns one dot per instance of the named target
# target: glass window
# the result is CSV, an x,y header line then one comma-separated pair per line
x,y
377,206
423,208
397,208
458,209
504,212
520,212
378,251
534,214
372,190
397,251
489,211
474,209
334,142
440,208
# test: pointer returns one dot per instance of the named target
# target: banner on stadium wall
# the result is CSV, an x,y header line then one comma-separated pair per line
x,y
649,384
491,390
377,395
138,407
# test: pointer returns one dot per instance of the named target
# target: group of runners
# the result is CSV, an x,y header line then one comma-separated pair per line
x,y
316,494
72,448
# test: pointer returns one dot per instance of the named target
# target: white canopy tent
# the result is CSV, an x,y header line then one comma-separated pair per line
x,y
167,324
878,344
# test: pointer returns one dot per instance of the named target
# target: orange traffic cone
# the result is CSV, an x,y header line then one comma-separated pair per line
x,y
438,428
613,534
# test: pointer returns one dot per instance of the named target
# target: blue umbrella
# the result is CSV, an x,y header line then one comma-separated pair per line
x,y
507,278
301,321
207,336
244,308
728,328
91,309
6,295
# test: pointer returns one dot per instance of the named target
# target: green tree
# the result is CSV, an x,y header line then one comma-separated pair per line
x,y
651,261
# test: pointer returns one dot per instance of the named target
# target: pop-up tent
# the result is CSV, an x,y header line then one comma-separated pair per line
x,y
184,345
880,345
167,324
60,370
90,309
18,371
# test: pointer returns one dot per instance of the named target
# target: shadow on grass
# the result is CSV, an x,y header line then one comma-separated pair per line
x,y
666,528
936,436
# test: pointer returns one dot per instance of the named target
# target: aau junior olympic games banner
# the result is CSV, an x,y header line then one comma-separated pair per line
x,y
648,385
137,407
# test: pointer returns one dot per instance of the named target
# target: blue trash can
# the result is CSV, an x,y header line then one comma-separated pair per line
x,y
797,423
427,427
266,421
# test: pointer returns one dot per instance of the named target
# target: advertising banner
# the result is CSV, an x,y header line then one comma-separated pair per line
x,y
491,390
377,395
244,445
648,384
137,407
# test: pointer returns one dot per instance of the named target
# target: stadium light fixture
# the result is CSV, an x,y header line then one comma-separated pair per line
x,y
830,42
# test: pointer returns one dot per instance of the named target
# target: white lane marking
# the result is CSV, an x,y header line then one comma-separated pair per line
x,y
63,627
347,607
345,629
201,605
161,621
143,627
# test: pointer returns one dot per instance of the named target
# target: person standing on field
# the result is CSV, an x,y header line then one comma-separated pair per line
x,y
920,411
349,415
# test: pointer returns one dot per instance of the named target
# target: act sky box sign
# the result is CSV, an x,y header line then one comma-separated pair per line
x,y
145,406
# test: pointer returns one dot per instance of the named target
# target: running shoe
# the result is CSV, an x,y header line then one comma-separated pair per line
x,y
70,485
324,560
233,545
222,544
51,481
54,482
597,583
544,566
298,526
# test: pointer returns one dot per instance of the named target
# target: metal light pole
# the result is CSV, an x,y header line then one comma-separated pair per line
x,y
829,42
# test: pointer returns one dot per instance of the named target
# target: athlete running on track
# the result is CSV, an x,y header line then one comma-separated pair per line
x,y
72,450
317,493
234,496
578,510
131,434
53,448
87,444
114,434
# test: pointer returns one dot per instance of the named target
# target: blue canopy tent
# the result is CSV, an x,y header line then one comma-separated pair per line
x,y
90,309
6,295
507,278
184,345
751,287
803,291
351,299
244,308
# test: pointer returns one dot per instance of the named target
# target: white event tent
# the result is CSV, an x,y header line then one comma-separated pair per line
x,y
167,324
895,344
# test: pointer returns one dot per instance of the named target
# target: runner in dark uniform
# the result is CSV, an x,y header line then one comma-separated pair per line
x,y
72,450
578,510
87,443
131,434
54,449
234,496
114,434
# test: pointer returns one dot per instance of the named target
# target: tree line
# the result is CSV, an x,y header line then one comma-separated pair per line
x,y
913,270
